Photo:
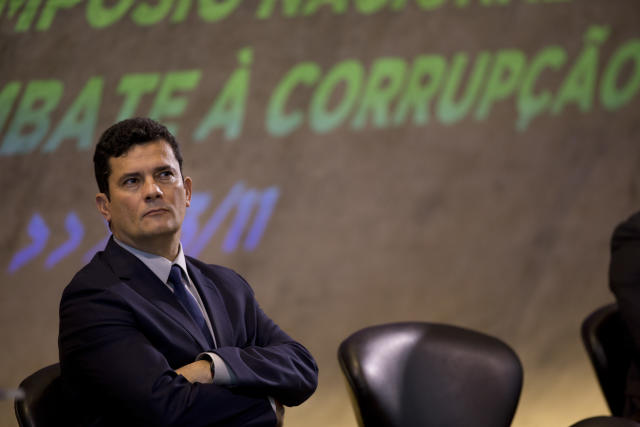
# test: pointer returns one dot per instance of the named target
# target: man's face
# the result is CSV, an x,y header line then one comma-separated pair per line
x,y
148,196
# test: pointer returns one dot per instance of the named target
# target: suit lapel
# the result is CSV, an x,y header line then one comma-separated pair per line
x,y
144,282
214,304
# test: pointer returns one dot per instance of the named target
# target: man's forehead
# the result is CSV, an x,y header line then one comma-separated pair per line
x,y
142,158
159,144
160,148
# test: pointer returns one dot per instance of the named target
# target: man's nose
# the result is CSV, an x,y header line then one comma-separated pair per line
x,y
151,189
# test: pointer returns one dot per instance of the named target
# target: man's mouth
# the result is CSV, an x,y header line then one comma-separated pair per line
x,y
154,212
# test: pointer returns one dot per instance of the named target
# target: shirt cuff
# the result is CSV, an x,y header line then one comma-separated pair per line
x,y
273,405
223,375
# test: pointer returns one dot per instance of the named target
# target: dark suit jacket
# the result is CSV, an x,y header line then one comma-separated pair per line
x,y
122,335
624,280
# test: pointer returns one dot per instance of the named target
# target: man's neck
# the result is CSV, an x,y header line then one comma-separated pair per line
x,y
161,246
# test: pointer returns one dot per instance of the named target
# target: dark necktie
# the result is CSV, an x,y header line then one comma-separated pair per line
x,y
188,301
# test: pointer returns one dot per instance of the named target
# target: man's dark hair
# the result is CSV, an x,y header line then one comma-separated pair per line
x,y
119,139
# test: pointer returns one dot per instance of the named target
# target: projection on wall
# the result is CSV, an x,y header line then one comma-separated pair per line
x,y
358,161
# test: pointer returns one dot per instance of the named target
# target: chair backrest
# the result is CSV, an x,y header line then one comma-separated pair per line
x,y
606,422
426,374
609,347
42,405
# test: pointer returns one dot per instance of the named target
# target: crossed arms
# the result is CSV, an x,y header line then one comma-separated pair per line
x,y
126,357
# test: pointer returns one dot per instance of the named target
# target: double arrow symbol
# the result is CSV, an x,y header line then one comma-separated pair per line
x,y
39,233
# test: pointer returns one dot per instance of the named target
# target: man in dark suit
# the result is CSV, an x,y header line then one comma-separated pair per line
x,y
151,337
624,280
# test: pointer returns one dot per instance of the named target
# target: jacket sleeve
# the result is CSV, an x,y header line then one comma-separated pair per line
x,y
113,366
269,362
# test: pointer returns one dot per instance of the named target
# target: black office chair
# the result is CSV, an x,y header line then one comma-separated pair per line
x,y
44,402
606,422
425,374
609,347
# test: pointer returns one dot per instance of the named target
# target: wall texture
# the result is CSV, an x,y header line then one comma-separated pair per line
x,y
358,161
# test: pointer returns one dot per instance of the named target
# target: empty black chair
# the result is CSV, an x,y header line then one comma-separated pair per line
x,y
425,374
43,404
606,422
609,347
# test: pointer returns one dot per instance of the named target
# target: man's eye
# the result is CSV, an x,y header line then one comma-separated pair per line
x,y
166,174
130,181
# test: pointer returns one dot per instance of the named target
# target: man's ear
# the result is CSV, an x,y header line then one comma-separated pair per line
x,y
104,206
187,189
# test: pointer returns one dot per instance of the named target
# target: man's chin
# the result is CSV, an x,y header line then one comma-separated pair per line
x,y
160,231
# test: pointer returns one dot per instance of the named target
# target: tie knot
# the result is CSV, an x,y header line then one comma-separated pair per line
x,y
175,276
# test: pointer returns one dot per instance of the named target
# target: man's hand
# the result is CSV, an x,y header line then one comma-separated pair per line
x,y
200,372
197,372
279,413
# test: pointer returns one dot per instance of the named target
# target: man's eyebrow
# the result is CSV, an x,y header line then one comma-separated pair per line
x,y
163,167
139,173
128,175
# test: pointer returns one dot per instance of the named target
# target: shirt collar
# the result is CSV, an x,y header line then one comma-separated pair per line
x,y
159,265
